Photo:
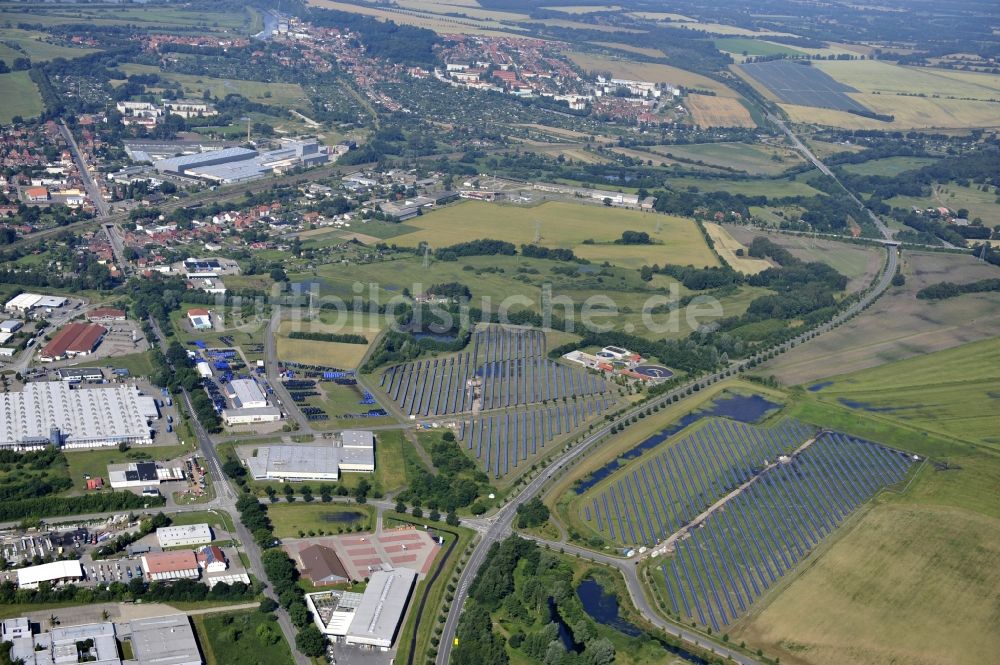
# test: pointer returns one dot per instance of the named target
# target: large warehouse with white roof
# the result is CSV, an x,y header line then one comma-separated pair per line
x,y
371,619
356,454
52,412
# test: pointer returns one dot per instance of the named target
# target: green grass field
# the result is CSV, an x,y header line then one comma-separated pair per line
x,y
138,364
289,95
34,45
241,637
20,97
950,392
565,225
979,203
889,166
752,158
747,46
150,17
290,518
772,188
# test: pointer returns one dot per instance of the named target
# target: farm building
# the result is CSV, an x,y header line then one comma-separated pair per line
x,y
188,534
51,412
76,339
56,572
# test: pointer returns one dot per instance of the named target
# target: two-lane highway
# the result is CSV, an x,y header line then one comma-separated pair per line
x,y
93,191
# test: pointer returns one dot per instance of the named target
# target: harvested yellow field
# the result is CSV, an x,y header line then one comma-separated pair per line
x,y
889,79
331,354
438,23
580,25
707,111
727,246
909,585
662,16
470,9
909,112
648,71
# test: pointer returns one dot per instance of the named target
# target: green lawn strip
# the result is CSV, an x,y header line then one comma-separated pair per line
x,y
317,517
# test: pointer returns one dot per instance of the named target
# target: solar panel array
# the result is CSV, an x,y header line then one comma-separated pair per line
x,y
510,364
525,400
743,548
503,439
651,500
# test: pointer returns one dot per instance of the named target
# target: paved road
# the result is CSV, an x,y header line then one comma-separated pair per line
x,y
226,500
271,370
93,191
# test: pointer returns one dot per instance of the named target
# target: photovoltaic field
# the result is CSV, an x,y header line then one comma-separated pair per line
x,y
646,502
509,398
803,85
744,547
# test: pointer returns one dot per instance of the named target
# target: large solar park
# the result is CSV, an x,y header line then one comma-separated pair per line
x,y
509,399
722,555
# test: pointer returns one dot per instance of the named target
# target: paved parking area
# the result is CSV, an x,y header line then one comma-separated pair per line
x,y
363,553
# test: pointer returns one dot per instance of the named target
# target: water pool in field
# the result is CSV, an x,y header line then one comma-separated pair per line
x,y
342,517
744,408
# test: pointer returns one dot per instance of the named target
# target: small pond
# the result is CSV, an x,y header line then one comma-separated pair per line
x,y
342,517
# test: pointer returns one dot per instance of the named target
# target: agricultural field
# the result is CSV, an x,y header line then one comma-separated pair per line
x,y
802,85
889,166
281,94
648,71
858,263
641,50
519,399
150,17
331,354
743,46
755,159
566,225
584,9
874,76
727,247
713,111
291,518
898,326
20,97
908,585
933,392
427,19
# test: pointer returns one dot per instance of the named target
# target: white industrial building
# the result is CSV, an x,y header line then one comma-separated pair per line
x,y
69,570
25,302
188,534
142,474
354,452
371,619
52,412
245,394
262,414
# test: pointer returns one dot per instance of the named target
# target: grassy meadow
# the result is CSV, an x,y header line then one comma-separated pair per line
x,y
20,97
566,225
291,518
275,94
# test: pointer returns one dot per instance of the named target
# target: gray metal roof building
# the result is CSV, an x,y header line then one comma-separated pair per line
x,y
315,462
376,620
52,413
204,159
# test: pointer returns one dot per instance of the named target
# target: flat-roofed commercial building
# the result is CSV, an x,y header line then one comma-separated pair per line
x,y
142,474
372,620
354,454
261,414
52,413
25,302
245,394
188,534
184,163
76,339
69,570
166,566
167,640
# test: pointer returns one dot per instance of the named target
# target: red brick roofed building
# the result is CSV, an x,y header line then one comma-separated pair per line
x,y
170,565
76,339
